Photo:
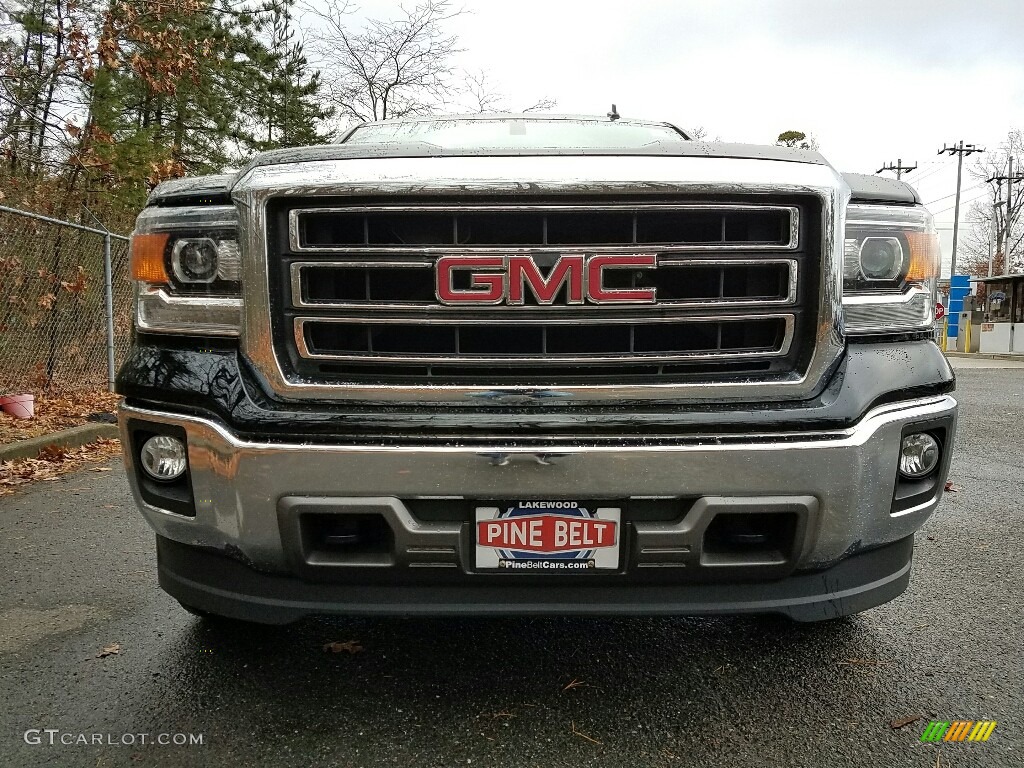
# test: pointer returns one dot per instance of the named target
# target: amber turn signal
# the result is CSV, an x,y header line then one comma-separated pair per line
x,y
924,256
146,258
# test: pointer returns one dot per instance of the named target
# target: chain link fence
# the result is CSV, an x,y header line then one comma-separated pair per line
x,y
65,304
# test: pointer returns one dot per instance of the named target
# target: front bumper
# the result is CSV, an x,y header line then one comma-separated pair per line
x,y
223,586
839,484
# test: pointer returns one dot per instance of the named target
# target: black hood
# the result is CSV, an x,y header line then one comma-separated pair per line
x,y
195,190
879,189
216,189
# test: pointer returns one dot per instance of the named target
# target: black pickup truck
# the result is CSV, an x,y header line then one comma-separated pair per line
x,y
535,365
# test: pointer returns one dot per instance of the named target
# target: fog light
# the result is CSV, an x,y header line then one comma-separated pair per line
x,y
919,455
164,457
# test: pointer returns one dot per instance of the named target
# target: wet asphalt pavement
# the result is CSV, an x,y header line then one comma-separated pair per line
x,y
79,576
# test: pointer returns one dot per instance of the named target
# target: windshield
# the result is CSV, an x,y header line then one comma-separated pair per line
x,y
513,133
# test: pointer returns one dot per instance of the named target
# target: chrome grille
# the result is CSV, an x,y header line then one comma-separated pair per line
x,y
354,288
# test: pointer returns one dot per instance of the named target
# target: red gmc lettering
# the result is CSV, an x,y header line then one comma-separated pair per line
x,y
523,271
596,265
489,286
494,279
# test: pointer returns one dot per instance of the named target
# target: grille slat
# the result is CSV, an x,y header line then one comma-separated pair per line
x,y
508,229
360,303
590,341
335,284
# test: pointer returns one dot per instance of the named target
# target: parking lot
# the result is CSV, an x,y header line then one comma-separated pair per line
x,y
80,578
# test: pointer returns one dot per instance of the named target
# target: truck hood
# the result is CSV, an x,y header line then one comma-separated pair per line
x,y
216,189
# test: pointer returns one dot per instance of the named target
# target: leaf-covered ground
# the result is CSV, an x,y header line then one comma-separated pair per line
x,y
57,412
53,414
52,462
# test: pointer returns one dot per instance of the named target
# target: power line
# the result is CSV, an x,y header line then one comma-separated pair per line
x,y
959,150
945,197
968,200
942,166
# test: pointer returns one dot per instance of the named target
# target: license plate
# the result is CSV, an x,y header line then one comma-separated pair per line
x,y
547,537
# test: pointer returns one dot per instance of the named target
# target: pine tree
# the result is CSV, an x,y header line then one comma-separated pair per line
x,y
287,110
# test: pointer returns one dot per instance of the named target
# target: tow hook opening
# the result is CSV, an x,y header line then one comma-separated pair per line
x,y
347,539
750,539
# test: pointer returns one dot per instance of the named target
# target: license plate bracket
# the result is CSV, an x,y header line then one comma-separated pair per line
x,y
547,536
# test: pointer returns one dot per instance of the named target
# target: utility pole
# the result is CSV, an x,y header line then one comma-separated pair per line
x,y
992,244
899,168
1009,178
959,149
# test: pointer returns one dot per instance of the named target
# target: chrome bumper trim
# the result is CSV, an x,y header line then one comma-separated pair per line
x,y
237,484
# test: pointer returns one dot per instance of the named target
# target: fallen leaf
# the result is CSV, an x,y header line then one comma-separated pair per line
x,y
51,463
53,453
903,722
949,487
349,646
111,650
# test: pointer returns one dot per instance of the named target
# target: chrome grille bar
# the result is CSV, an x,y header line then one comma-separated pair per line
x,y
299,298
298,217
780,347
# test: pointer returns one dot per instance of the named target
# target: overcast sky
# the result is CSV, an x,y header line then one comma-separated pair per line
x,y
872,80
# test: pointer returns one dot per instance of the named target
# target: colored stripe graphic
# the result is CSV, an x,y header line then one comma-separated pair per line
x,y
958,730
935,731
982,730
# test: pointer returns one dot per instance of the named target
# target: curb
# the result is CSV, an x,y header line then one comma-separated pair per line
x,y
67,438
987,356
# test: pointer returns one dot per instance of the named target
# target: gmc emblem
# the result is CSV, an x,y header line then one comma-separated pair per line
x,y
506,279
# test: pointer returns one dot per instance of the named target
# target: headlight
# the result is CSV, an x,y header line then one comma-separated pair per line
x,y
890,269
881,258
187,264
206,260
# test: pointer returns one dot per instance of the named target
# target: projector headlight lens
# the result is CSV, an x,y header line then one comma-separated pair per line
x,y
194,260
881,258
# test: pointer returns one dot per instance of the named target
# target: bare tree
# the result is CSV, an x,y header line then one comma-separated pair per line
x,y
389,68
984,231
482,95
